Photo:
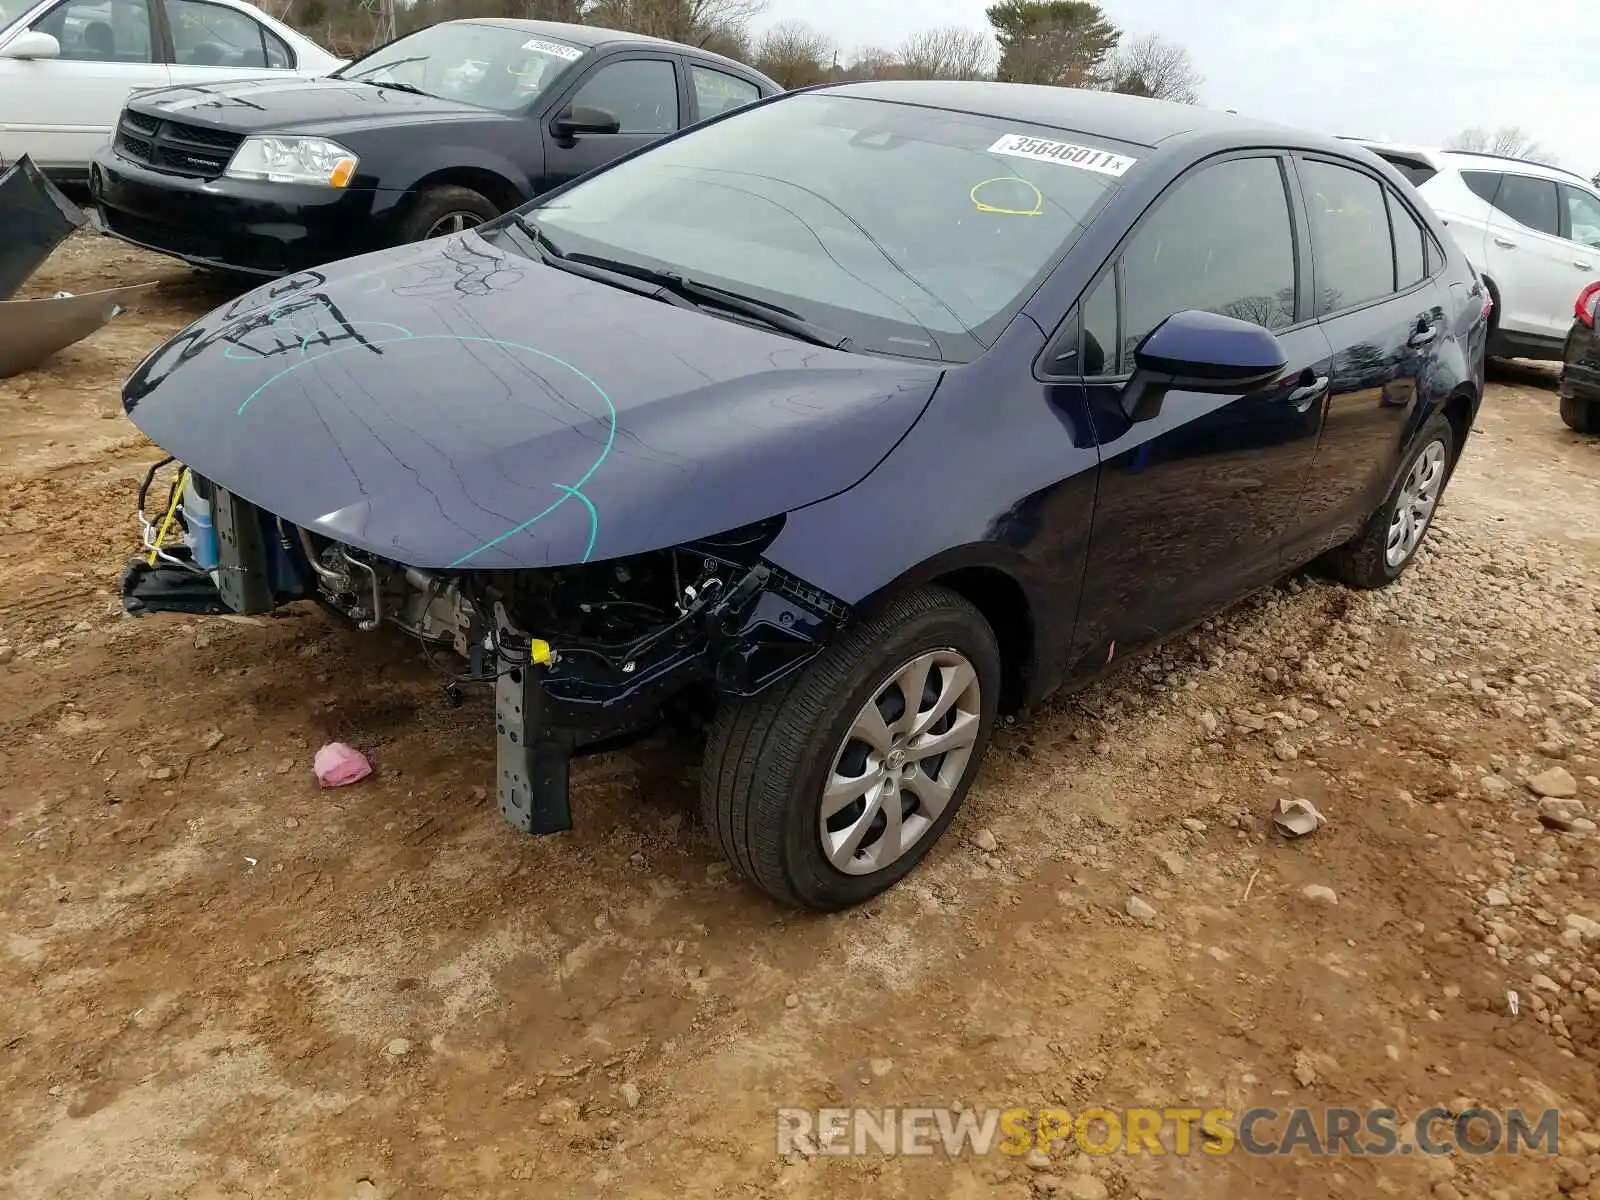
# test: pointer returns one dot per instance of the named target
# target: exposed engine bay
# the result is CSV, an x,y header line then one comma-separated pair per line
x,y
579,655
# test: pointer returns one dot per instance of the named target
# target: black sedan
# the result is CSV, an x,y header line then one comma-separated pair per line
x,y
434,133
849,422
1580,366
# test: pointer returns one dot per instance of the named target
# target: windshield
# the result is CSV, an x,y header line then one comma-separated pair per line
x,y
912,231
486,65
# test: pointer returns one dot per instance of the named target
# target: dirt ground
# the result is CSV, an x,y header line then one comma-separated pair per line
x,y
218,980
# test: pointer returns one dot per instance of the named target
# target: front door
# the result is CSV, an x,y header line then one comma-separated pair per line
x,y
1373,265
640,90
60,111
1193,503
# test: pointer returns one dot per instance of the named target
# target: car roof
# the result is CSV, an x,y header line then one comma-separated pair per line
x,y
1134,119
578,35
591,36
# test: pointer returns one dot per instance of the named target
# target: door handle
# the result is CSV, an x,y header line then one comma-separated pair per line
x,y
1580,264
1504,241
1307,394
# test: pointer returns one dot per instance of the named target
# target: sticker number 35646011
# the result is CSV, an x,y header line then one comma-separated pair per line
x,y
1086,158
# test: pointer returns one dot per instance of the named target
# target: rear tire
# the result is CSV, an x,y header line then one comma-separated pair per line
x,y
1389,540
444,209
820,818
1581,416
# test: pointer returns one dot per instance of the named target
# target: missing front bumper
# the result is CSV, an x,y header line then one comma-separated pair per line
x,y
554,699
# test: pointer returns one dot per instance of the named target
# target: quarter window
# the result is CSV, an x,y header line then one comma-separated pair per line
x,y
117,31
208,35
718,92
1410,255
1349,236
1530,202
641,93
1583,215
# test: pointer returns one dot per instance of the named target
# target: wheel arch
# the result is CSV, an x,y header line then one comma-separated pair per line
x,y
997,588
1459,409
492,185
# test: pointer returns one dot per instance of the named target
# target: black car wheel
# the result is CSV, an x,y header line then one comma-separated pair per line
x,y
1389,540
1581,416
442,210
832,787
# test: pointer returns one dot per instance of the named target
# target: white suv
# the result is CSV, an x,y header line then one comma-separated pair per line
x,y
1532,232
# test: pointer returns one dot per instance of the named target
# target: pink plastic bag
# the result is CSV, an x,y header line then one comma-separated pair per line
x,y
337,764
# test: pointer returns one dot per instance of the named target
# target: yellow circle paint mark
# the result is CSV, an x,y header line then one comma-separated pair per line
x,y
981,206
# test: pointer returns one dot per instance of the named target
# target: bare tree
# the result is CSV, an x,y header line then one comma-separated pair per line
x,y
795,54
948,52
1150,65
1510,140
694,22
873,62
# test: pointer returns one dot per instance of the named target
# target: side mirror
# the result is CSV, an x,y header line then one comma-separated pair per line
x,y
1200,352
581,118
32,44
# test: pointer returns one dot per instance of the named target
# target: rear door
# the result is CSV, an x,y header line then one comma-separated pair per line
x,y
641,89
60,111
211,42
1580,225
1194,503
1529,260
1373,270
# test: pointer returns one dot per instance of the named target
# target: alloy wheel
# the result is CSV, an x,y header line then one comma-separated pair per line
x,y
455,222
1413,508
901,762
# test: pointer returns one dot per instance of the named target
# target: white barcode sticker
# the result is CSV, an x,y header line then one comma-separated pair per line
x,y
553,49
1067,154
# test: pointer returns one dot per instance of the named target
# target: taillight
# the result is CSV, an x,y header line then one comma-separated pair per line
x,y
1583,308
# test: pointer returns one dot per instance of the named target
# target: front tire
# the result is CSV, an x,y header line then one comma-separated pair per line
x,y
1383,549
441,210
832,787
1580,415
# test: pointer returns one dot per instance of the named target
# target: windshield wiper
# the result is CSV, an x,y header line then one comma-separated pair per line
x,y
394,85
770,315
552,256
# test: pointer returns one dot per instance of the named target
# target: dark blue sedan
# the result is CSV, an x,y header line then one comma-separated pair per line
x,y
843,425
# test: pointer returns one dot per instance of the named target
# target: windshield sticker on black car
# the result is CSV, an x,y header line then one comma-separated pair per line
x,y
554,49
1086,158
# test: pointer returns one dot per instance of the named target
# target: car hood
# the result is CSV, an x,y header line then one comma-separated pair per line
x,y
449,404
322,106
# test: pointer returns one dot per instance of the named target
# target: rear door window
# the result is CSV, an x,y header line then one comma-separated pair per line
x,y
209,35
1583,215
1482,184
1350,239
1222,243
1530,202
718,92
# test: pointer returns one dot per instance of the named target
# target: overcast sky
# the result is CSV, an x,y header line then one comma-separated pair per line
x,y
1407,72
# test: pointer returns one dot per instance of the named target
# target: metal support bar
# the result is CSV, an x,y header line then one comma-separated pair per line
x,y
531,759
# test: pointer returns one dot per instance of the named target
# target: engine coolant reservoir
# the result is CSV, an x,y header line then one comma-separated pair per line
x,y
202,533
